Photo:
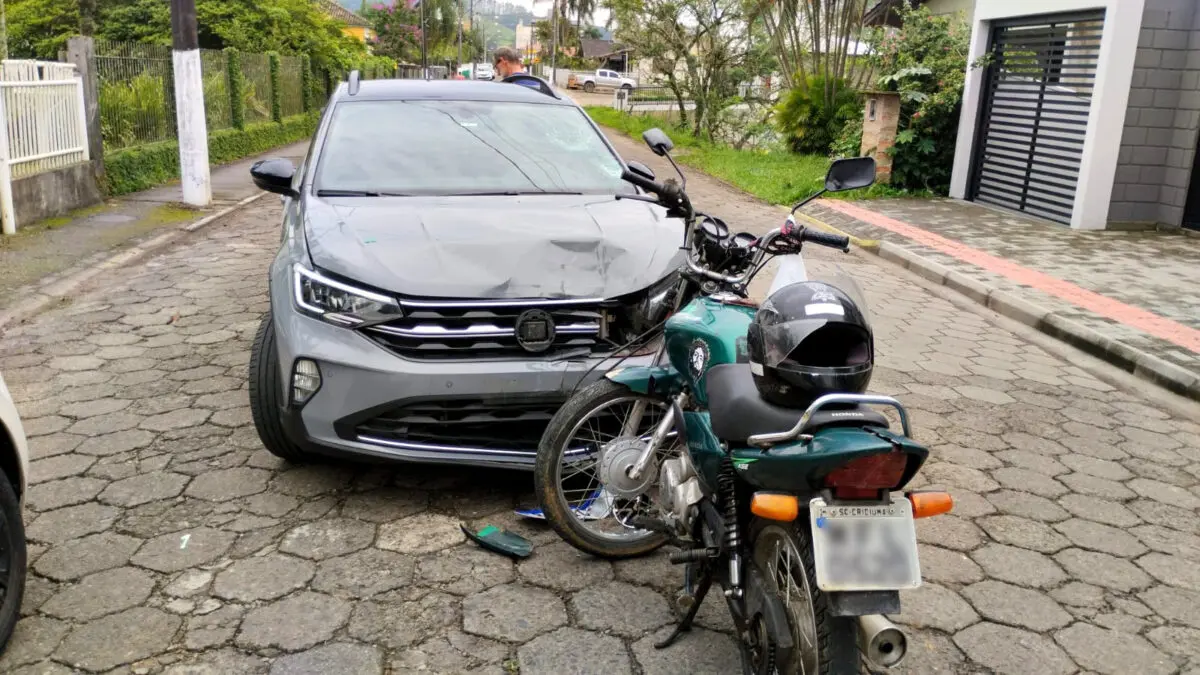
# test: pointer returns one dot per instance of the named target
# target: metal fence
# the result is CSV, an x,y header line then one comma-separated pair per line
x,y
41,104
291,86
214,66
256,90
137,102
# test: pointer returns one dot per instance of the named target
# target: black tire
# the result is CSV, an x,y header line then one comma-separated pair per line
x,y
836,636
12,539
264,395
627,88
589,87
546,475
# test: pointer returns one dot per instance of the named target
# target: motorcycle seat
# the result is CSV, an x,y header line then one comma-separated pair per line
x,y
736,410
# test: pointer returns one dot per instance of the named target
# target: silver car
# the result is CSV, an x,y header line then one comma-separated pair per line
x,y
457,257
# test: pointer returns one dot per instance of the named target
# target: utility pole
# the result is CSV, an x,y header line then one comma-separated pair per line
x,y
457,20
424,54
189,104
553,42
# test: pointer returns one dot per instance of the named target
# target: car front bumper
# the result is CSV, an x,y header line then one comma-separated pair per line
x,y
373,403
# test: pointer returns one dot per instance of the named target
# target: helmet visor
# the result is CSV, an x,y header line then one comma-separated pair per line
x,y
816,342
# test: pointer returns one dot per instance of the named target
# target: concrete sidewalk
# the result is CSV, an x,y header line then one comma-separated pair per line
x,y
46,253
1127,297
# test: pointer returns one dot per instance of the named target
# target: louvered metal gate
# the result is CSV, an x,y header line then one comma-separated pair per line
x,y
1038,90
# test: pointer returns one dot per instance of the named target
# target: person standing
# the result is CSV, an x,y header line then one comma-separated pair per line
x,y
507,62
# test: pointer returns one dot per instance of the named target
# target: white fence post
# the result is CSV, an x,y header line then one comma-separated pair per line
x,y
6,196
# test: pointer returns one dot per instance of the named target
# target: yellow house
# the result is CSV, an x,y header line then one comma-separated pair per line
x,y
353,25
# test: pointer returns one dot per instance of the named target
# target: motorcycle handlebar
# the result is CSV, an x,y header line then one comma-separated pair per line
x,y
641,181
840,242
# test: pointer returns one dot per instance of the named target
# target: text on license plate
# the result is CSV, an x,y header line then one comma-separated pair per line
x,y
864,548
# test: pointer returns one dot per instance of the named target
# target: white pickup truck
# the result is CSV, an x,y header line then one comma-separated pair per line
x,y
601,78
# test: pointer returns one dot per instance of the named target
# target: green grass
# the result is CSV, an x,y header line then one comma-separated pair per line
x,y
776,177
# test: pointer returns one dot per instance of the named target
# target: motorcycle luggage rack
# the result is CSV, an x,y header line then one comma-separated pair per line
x,y
766,440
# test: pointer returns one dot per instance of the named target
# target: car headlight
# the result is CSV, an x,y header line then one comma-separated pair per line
x,y
339,303
649,309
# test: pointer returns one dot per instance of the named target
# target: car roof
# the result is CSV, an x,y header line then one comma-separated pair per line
x,y
446,90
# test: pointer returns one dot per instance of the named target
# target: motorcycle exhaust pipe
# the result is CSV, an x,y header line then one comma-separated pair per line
x,y
881,641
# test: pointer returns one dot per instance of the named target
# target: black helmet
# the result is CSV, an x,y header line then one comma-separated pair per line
x,y
809,339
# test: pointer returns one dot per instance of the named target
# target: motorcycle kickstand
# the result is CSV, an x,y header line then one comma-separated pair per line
x,y
685,624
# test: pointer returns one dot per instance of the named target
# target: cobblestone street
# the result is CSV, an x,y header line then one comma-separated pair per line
x,y
165,539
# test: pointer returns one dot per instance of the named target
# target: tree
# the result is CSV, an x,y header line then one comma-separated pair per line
x,y
817,41
702,50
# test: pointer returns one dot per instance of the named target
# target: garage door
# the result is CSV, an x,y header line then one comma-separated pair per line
x,y
1037,93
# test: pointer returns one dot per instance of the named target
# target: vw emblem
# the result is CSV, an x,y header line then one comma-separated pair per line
x,y
535,330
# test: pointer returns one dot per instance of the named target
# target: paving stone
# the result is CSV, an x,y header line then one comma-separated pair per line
x,y
116,443
562,568
297,622
1111,652
1097,487
968,504
954,475
310,481
1164,540
61,466
1018,566
144,488
1102,569
973,458
569,650
621,609
1174,604
85,409
421,533
1026,480
452,653
180,550
262,578
33,639
945,566
1011,651
934,606
399,624
364,574
656,572
513,612
341,657
1016,606
700,651
949,532
105,424
1023,533
101,593
1176,640
1100,468
270,504
60,493
56,527
1033,461
119,639
1162,492
1097,537
1099,510
929,653
189,583
1026,505
176,419
1079,594
328,538
214,628
1172,570
54,444
225,484
75,363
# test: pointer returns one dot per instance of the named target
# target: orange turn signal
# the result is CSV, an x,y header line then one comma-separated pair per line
x,y
926,504
774,506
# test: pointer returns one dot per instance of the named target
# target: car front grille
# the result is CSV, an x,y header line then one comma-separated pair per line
x,y
487,425
488,329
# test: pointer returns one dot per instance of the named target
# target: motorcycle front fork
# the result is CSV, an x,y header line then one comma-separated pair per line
x,y
634,422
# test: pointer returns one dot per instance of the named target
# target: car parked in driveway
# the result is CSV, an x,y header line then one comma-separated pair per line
x,y
456,257
14,467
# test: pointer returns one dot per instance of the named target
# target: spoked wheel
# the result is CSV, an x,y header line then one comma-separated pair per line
x,y
823,643
582,480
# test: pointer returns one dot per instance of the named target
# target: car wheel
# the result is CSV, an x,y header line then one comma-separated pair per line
x,y
12,559
264,395
589,87
627,87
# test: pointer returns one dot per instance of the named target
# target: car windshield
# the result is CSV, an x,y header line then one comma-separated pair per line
x,y
464,147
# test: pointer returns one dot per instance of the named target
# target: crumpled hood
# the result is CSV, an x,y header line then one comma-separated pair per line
x,y
536,246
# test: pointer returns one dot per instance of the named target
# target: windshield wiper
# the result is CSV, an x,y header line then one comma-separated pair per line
x,y
512,193
347,193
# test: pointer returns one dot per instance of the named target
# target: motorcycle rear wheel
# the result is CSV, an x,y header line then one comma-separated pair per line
x,y
823,644
591,406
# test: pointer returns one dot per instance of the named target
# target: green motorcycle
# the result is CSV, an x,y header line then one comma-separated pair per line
x,y
796,514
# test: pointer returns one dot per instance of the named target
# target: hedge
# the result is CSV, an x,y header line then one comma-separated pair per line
x,y
150,165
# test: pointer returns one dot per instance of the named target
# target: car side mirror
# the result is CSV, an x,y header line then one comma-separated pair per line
x,y
275,175
641,169
850,174
658,141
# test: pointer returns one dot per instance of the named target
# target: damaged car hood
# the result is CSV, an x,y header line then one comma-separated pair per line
x,y
493,247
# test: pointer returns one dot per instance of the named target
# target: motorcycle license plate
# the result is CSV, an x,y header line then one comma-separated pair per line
x,y
865,548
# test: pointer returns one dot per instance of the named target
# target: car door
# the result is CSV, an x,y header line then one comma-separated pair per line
x,y
610,78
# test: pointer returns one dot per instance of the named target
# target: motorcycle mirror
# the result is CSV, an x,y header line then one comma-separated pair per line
x,y
640,169
658,141
850,174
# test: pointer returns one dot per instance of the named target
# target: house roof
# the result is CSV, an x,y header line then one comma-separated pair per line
x,y
342,14
594,49
886,13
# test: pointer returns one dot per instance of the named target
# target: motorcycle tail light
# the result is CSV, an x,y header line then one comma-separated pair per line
x,y
863,478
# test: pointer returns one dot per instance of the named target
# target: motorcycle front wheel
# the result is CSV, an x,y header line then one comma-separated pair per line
x,y
568,482
823,644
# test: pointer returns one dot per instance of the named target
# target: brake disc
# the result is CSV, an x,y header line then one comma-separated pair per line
x,y
617,459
